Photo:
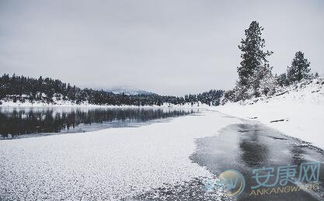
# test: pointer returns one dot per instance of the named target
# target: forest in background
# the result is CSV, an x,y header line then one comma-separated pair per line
x,y
47,90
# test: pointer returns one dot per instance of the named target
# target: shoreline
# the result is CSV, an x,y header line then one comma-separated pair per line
x,y
86,105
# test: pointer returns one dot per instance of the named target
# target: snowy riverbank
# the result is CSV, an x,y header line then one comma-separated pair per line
x,y
296,111
108,164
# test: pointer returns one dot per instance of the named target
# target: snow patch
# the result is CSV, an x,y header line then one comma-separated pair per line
x,y
108,164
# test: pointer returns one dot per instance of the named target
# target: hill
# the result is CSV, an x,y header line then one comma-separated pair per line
x,y
129,91
296,110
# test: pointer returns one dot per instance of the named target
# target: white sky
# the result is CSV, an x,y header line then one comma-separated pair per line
x,y
165,46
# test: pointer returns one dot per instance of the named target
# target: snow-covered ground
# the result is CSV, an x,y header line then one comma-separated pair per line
x,y
107,164
115,163
298,111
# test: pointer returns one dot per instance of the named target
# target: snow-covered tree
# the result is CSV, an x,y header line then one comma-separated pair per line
x,y
266,82
282,80
299,69
254,65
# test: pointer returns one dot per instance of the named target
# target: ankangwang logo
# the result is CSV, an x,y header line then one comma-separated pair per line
x,y
233,181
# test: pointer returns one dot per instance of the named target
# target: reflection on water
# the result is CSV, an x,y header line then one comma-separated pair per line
x,y
254,151
245,147
22,121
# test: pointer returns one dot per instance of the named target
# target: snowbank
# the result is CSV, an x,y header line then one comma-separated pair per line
x,y
107,164
297,111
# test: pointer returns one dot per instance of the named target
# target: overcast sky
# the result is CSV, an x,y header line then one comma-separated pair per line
x,y
166,46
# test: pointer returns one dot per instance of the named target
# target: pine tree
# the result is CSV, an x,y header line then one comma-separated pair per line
x,y
254,62
282,80
299,69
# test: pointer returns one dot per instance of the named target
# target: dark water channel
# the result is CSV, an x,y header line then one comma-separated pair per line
x,y
37,121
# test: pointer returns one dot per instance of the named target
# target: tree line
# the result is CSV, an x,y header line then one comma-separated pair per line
x,y
255,73
22,89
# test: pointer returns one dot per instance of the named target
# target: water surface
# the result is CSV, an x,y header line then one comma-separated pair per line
x,y
23,122
249,146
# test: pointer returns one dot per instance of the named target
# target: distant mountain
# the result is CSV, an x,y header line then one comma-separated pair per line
x,y
129,91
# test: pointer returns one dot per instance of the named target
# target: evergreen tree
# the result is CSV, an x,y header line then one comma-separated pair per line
x,y
254,65
282,80
265,82
299,69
